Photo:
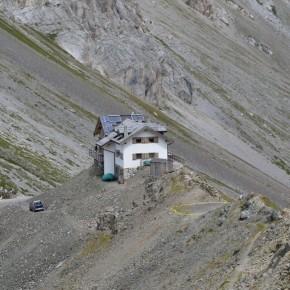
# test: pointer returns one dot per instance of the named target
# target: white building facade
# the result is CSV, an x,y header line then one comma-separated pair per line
x,y
129,144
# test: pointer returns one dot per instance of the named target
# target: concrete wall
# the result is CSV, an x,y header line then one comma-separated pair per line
x,y
129,149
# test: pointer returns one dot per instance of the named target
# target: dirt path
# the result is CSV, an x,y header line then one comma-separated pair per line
x,y
195,209
243,262
14,201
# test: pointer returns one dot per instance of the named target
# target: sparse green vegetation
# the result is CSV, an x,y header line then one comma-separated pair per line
x,y
269,203
23,38
182,209
95,244
51,54
226,198
70,162
260,227
52,36
282,164
6,183
31,162
177,184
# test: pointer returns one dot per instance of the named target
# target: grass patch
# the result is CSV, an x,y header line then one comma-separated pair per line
x,y
48,41
269,203
226,198
52,36
31,162
260,227
70,162
281,164
182,209
4,143
224,284
22,37
177,185
95,244
7,184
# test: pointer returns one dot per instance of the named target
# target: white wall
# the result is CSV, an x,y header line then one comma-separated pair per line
x,y
109,159
129,149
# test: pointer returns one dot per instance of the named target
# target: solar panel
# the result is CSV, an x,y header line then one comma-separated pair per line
x,y
105,119
115,119
111,121
137,118
109,127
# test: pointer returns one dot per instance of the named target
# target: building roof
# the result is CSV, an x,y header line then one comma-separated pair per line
x,y
109,122
129,128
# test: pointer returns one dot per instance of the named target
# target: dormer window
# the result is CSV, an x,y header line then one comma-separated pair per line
x,y
137,140
145,140
153,139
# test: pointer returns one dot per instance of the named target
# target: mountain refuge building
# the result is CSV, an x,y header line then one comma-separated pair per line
x,y
126,142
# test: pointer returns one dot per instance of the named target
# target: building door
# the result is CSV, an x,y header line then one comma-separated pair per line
x,y
109,162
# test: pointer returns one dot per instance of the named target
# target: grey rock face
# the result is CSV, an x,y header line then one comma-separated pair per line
x,y
245,214
203,6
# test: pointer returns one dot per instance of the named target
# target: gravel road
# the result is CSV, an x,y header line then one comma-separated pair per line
x,y
205,157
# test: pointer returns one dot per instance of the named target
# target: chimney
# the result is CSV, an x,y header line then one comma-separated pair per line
x,y
125,131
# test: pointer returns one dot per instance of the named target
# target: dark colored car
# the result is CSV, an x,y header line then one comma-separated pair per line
x,y
36,205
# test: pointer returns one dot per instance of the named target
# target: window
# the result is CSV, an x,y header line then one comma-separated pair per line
x,y
137,140
144,156
153,139
153,155
145,140
137,156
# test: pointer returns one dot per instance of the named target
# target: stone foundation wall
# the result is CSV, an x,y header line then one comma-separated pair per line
x,y
129,172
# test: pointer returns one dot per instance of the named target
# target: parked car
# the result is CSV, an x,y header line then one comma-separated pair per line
x,y
36,205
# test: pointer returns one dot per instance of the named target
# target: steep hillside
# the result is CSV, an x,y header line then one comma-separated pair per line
x,y
45,133
218,67
204,135
44,136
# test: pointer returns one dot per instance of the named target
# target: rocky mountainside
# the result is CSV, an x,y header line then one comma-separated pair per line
x,y
220,68
217,73
177,232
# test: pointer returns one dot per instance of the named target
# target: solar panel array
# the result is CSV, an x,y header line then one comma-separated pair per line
x,y
137,117
111,121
